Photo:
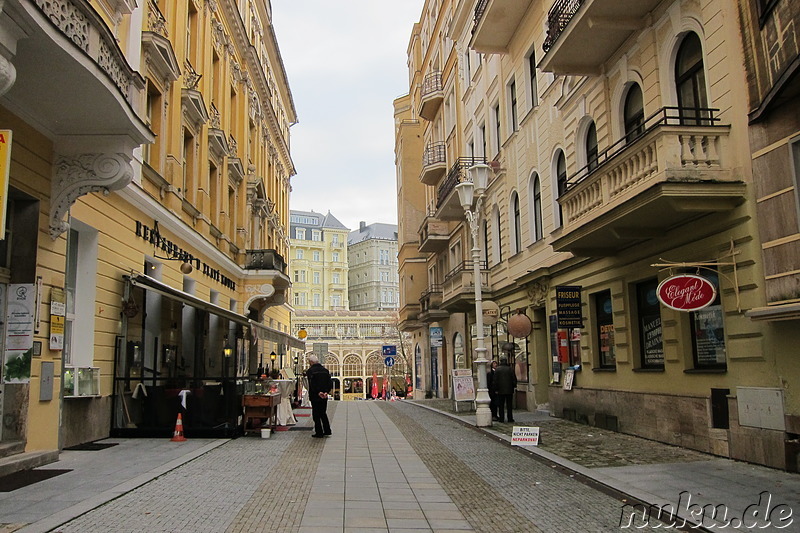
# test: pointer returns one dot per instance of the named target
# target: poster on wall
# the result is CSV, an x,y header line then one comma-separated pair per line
x,y
553,319
21,299
58,312
436,337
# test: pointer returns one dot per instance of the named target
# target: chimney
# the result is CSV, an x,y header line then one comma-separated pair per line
x,y
362,226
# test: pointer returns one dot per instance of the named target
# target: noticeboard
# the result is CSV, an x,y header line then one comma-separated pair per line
x,y
568,306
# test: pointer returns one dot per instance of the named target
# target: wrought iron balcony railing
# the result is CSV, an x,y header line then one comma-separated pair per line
x,y
558,19
458,173
264,260
432,83
480,9
434,153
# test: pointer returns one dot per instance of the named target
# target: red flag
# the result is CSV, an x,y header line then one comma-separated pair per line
x,y
384,389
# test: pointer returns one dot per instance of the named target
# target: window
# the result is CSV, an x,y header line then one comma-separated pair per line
x,y
651,343
336,278
384,257
299,298
512,98
497,137
591,147
315,255
80,288
486,242
497,245
561,182
482,135
794,144
335,257
298,254
336,300
708,332
634,113
690,81
335,238
316,299
300,233
517,230
536,207
604,329
315,277
316,235
534,96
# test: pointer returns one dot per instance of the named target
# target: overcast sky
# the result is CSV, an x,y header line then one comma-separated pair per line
x,y
346,63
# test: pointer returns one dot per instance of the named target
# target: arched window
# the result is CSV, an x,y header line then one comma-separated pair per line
x,y
486,242
690,81
634,113
536,207
515,224
458,351
591,147
561,181
352,366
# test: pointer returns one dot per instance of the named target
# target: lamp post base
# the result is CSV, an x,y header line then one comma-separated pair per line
x,y
483,414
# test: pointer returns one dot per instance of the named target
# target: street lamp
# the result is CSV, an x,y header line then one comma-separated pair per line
x,y
467,192
273,356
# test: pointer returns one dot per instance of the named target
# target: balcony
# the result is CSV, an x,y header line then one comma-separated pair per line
x,y
495,24
431,96
434,163
266,283
430,303
458,289
639,189
447,204
433,235
606,25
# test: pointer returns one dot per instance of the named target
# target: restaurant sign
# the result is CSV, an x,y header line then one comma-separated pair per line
x,y
686,292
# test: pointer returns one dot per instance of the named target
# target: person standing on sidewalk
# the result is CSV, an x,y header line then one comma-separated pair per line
x,y
505,383
490,386
319,386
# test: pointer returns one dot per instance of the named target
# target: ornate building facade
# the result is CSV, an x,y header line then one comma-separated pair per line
x,y
611,168
147,213
372,259
319,261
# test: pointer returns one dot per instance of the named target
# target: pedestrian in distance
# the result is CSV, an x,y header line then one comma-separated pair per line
x,y
505,383
490,386
319,386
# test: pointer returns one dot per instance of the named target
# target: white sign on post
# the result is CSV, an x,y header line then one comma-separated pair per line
x,y
525,436
463,386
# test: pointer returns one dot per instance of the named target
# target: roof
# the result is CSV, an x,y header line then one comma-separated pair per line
x,y
386,232
326,221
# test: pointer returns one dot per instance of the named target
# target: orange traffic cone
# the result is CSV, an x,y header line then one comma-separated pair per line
x,y
178,435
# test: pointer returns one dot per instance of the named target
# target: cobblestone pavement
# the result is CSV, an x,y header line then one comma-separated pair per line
x,y
499,489
232,488
586,445
249,485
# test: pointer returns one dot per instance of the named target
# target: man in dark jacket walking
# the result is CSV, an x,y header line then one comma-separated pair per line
x,y
319,385
505,383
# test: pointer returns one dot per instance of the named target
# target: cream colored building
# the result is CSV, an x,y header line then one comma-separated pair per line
x,y
372,258
612,167
351,345
147,214
319,261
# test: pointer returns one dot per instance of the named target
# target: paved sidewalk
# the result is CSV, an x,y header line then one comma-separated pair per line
x,y
390,467
655,473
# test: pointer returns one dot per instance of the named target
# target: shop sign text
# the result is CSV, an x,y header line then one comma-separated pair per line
x,y
686,292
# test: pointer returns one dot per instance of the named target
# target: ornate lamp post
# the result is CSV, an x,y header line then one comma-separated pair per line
x,y
467,193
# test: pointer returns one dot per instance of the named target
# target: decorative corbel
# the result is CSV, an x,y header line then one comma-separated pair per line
x,y
75,176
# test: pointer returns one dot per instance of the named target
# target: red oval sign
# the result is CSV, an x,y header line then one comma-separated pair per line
x,y
686,292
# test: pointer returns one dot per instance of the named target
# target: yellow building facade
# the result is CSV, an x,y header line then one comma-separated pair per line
x,y
319,262
611,169
147,214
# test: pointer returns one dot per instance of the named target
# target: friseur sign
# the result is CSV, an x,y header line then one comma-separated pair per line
x,y
568,306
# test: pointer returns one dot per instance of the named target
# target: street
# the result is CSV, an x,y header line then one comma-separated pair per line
x,y
389,466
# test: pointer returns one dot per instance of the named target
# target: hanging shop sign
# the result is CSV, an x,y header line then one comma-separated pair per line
x,y
519,325
686,292
436,334
173,251
491,313
568,306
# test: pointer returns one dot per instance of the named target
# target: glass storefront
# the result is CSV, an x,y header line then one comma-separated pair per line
x,y
178,356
